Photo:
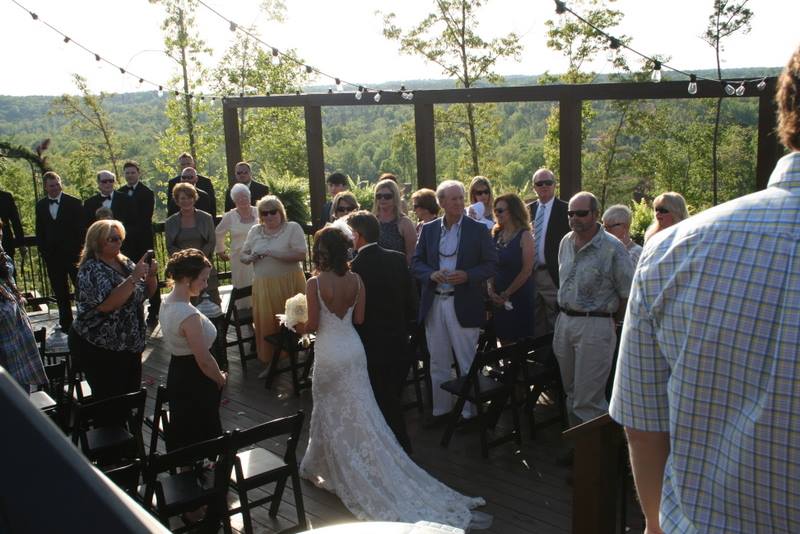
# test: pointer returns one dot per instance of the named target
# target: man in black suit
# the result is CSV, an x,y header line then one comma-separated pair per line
x,y
122,209
204,202
200,182
244,175
144,200
12,225
390,308
60,231
548,229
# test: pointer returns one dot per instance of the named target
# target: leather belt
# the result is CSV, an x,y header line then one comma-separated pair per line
x,y
443,294
573,313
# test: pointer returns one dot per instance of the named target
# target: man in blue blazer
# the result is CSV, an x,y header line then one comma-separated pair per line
x,y
454,257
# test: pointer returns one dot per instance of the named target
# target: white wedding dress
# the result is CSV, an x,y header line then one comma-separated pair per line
x,y
353,453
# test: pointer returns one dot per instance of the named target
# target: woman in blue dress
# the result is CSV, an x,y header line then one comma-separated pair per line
x,y
511,290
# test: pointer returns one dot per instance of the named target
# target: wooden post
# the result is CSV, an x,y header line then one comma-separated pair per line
x,y
770,149
569,147
233,144
316,161
426,145
598,472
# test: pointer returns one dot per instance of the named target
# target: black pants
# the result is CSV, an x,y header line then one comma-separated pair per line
x,y
57,271
388,365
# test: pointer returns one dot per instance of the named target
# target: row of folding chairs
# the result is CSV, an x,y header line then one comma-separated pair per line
x,y
155,480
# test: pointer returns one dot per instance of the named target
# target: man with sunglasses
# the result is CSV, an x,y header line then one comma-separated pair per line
x,y
596,273
200,182
60,230
549,222
244,175
204,202
122,207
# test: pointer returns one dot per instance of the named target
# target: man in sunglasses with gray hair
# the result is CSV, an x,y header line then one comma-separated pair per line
x,y
595,272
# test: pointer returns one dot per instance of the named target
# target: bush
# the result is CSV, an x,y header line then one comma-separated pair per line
x,y
364,193
642,218
293,193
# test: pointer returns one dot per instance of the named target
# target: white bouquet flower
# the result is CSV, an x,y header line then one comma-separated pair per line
x,y
296,312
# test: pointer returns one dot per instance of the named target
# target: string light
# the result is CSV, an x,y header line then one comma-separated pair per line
x,y
740,90
762,85
66,40
339,86
692,89
276,57
160,91
561,7
656,75
232,27
359,93
614,43
309,70
729,90
377,97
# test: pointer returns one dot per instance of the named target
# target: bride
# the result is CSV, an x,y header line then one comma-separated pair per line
x,y
352,452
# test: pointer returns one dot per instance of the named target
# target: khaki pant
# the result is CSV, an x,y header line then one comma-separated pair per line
x,y
584,347
545,303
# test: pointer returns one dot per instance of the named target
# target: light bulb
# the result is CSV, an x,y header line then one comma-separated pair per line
x,y
309,70
692,85
359,93
339,86
656,75
740,90
160,91
276,58
233,26
729,90
377,97
761,85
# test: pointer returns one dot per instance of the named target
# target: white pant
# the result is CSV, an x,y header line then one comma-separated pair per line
x,y
584,347
445,335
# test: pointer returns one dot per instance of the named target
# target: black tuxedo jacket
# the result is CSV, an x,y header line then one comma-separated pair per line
x,y
557,228
145,202
12,225
203,184
124,210
391,301
257,190
60,239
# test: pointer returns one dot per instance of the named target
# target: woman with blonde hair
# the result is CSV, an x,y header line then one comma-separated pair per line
x,y
481,201
275,247
108,334
397,230
669,209
343,204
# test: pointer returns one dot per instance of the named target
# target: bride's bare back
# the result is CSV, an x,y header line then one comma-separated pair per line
x,y
338,294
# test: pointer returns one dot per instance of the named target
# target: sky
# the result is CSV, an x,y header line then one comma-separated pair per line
x,y
344,38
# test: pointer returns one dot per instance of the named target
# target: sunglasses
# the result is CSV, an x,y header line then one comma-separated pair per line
x,y
482,192
499,211
187,177
384,196
114,239
107,181
661,210
578,213
345,209
610,226
541,183
268,212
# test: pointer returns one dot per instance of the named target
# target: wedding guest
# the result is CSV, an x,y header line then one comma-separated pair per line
x,y
14,235
669,208
480,199
617,222
423,201
343,204
192,228
108,335
244,176
237,222
202,183
397,230
60,229
122,209
276,248
511,290
145,201
337,182
194,380
19,354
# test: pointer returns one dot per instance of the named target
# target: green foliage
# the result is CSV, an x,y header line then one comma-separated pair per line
x,y
364,193
642,219
293,193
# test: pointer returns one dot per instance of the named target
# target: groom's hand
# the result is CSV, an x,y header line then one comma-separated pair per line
x,y
456,277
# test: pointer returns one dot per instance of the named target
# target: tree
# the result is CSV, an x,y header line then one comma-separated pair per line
x,y
727,18
448,38
90,122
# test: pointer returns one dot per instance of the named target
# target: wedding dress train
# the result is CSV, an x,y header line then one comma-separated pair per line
x,y
353,453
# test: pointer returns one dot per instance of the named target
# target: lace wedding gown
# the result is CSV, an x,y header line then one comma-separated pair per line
x,y
353,453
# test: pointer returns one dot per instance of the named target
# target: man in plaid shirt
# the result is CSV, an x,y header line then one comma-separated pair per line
x,y
708,378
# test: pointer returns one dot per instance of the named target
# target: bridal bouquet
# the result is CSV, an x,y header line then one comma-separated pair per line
x,y
296,312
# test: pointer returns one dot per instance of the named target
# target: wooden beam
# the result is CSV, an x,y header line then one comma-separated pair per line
x,y
233,144
569,147
426,145
316,160
770,149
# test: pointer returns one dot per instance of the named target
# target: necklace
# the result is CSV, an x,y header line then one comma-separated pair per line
x,y
444,235
504,238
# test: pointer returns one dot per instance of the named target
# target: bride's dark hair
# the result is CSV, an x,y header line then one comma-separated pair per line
x,y
330,250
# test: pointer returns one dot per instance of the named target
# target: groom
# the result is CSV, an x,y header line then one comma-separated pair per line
x,y
389,309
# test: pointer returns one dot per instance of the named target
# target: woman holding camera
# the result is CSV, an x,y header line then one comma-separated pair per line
x,y
109,331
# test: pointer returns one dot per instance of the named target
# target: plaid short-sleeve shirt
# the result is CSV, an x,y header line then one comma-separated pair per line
x,y
709,354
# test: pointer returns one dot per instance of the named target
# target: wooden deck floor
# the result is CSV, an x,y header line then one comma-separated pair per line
x,y
526,492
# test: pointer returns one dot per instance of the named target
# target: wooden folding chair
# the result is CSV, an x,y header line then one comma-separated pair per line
x,y
290,342
489,383
159,421
257,467
239,318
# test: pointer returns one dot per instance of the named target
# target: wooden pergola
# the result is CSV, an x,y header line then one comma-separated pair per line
x,y
569,98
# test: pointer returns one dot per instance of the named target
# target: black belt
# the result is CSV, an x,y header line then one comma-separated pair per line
x,y
443,293
540,268
573,313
